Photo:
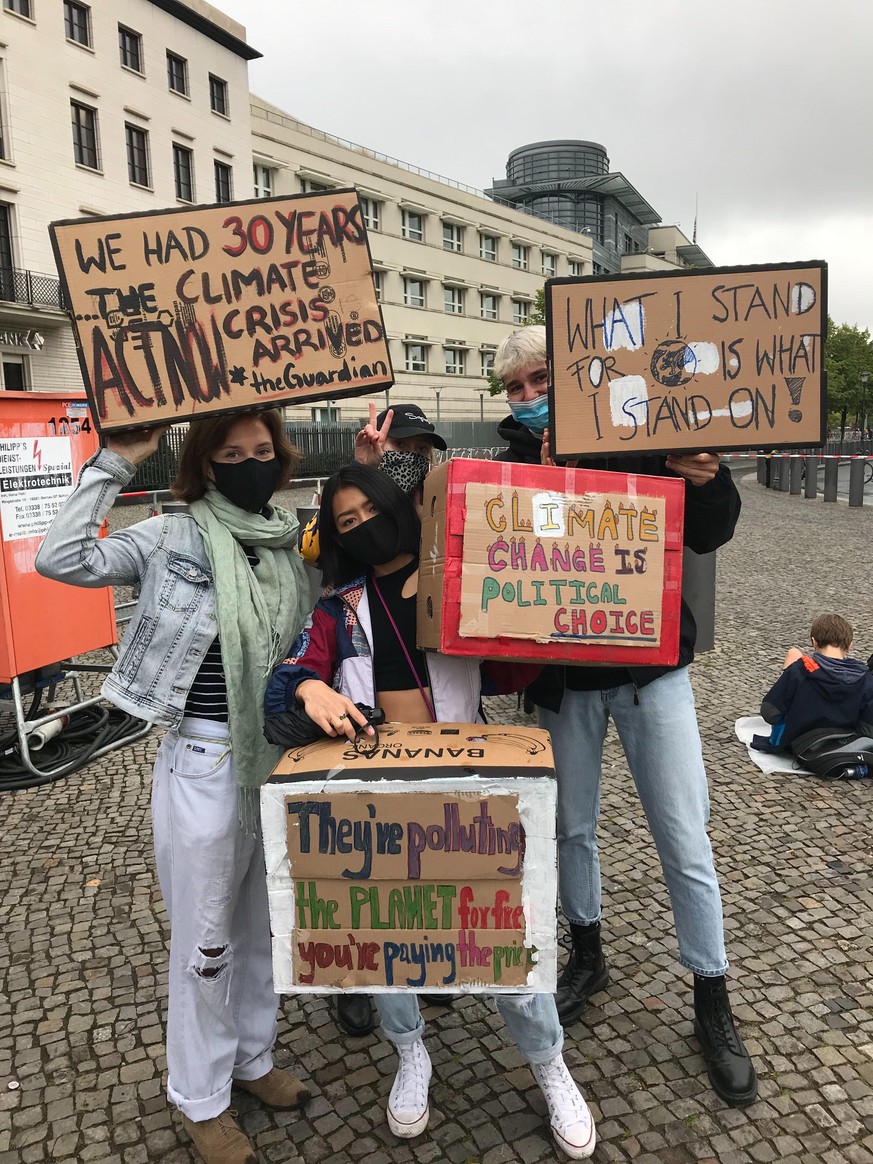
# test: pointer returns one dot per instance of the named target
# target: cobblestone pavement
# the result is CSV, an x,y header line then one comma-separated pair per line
x,y
84,946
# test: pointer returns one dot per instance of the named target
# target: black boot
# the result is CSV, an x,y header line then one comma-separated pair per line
x,y
584,974
354,1013
731,1071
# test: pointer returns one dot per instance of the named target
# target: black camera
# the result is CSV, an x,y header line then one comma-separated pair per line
x,y
374,716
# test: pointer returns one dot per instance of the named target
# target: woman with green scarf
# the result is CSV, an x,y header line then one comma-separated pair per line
x,y
221,591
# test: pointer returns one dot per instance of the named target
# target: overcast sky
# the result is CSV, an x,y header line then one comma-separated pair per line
x,y
760,109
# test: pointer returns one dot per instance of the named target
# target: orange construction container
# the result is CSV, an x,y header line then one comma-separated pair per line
x,y
45,438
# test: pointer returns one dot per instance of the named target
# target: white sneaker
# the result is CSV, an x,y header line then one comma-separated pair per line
x,y
572,1125
408,1110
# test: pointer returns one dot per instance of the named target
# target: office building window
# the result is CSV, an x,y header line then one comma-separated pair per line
x,y
223,182
576,268
183,172
371,212
377,284
454,361
7,255
262,180
86,147
412,225
520,256
22,7
4,128
218,102
488,306
77,22
598,269
177,74
14,373
413,292
454,300
486,360
130,48
137,155
488,247
307,186
550,265
416,357
453,237
520,310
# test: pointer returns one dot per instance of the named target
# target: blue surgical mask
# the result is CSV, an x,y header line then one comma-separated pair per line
x,y
533,414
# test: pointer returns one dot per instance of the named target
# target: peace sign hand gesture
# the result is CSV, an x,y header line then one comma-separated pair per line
x,y
370,441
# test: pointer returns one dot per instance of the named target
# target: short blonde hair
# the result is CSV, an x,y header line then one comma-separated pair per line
x,y
520,350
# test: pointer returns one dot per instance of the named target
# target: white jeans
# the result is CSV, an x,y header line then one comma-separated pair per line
x,y
222,1016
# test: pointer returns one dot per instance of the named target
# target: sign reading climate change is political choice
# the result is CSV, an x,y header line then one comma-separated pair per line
x,y
179,313
696,360
532,562
440,876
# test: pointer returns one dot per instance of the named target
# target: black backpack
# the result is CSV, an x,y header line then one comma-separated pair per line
x,y
835,753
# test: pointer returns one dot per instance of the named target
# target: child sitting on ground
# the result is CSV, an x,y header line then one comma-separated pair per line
x,y
821,690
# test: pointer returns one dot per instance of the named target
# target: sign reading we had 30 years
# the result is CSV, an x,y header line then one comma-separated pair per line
x,y
186,312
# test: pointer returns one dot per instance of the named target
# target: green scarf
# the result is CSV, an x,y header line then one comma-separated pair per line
x,y
260,613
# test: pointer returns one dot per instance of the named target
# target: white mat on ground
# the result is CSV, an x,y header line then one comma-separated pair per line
x,y
754,725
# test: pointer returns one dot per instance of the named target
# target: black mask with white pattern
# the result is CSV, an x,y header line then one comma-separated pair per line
x,y
407,470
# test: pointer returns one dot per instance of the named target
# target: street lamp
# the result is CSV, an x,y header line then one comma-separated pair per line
x,y
438,391
481,392
865,376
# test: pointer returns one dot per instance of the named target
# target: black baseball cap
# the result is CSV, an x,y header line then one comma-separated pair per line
x,y
410,421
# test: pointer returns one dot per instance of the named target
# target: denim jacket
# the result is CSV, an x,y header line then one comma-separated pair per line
x,y
174,621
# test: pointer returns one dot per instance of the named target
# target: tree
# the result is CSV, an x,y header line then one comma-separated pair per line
x,y
537,315
848,353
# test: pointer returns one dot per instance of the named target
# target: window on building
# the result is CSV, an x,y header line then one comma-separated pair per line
x,y
488,306
22,7
576,268
377,284
130,48
454,361
488,247
413,292
177,74
262,181
7,256
77,22
454,300
86,146
453,237
223,182
412,225
4,125
183,172
598,269
218,101
371,212
486,360
15,373
550,264
520,256
307,186
416,357
520,311
137,155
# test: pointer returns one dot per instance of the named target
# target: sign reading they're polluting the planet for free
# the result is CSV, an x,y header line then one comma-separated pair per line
x,y
187,312
691,361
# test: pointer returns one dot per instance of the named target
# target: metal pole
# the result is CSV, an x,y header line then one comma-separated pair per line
x,y
811,477
856,483
832,476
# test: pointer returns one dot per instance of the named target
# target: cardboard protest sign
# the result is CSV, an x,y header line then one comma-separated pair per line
x,y
691,360
195,310
424,865
559,565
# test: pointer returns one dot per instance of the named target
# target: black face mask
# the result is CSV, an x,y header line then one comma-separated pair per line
x,y
373,542
248,484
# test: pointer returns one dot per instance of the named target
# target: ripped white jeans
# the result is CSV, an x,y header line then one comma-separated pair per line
x,y
532,1020
222,1015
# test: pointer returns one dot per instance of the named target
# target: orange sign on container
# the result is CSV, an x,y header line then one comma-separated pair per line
x,y
45,438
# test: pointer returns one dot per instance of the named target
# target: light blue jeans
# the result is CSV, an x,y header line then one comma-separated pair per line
x,y
661,741
532,1020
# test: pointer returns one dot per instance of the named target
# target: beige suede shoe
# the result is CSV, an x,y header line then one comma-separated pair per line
x,y
221,1140
278,1088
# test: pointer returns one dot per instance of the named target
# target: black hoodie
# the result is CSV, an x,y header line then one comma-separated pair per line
x,y
711,514
819,691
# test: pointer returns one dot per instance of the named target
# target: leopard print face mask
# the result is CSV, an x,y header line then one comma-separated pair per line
x,y
407,470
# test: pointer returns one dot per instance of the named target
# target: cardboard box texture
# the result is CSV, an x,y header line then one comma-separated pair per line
x,y
536,563
427,865
195,310
725,358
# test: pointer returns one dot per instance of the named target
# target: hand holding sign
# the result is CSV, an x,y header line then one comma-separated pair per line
x,y
697,469
138,446
370,441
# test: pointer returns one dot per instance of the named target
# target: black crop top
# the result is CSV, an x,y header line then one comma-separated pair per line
x,y
391,670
